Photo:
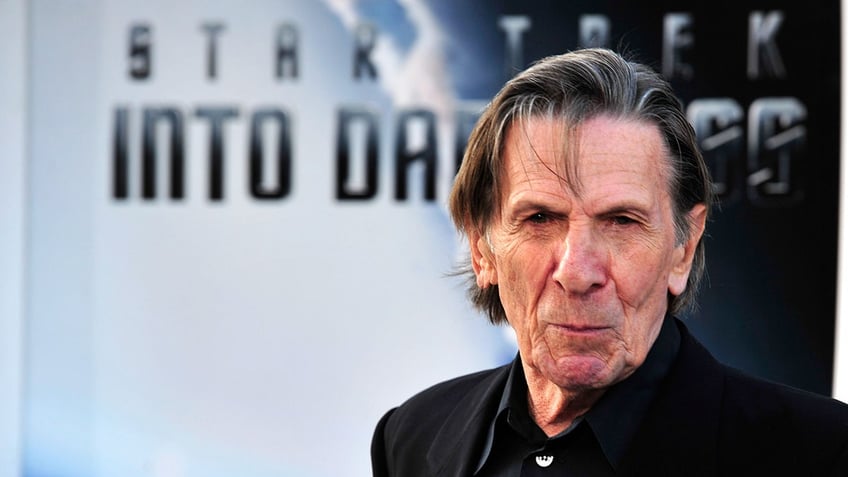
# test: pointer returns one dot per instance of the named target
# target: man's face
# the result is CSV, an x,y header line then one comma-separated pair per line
x,y
584,276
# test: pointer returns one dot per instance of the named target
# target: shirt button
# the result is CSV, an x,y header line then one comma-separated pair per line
x,y
544,460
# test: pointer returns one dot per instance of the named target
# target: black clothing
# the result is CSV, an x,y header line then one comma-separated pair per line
x,y
600,438
706,419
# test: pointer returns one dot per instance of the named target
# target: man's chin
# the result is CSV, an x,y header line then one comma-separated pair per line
x,y
577,373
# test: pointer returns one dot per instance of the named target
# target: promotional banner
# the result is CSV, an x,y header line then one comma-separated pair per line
x,y
239,255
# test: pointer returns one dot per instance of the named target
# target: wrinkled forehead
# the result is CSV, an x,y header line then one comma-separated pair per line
x,y
540,146
546,147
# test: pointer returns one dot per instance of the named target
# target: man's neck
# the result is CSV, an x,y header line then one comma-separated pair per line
x,y
553,408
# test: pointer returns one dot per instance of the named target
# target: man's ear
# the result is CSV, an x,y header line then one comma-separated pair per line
x,y
482,259
685,252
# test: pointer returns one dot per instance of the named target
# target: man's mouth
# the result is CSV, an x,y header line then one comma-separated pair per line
x,y
580,329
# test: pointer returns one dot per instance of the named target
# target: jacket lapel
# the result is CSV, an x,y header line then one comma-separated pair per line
x,y
457,444
679,435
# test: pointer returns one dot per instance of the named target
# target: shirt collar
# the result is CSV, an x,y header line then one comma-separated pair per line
x,y
615,418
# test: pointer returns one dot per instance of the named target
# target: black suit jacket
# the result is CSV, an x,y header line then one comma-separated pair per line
x,y
707,420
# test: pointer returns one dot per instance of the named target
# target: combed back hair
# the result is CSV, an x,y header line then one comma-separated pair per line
x,y
573,88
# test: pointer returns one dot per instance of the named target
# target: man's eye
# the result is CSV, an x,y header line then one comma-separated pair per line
x,y
538,218
622,220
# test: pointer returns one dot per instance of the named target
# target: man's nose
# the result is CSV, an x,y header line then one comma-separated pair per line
x,y
583,262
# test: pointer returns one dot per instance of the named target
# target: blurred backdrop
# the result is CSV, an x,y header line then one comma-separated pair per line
x,y
225,249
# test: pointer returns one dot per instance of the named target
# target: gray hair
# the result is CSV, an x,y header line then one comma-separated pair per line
x,y
576,87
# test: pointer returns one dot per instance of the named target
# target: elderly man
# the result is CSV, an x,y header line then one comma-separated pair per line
x,y
584,198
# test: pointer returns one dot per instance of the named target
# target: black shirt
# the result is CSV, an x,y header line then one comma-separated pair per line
x,y
595,443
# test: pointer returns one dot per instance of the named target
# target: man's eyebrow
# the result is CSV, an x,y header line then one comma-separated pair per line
x,y
626,207
533,202
522,207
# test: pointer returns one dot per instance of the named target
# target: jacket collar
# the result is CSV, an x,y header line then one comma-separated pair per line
x,y
679,435
456,445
